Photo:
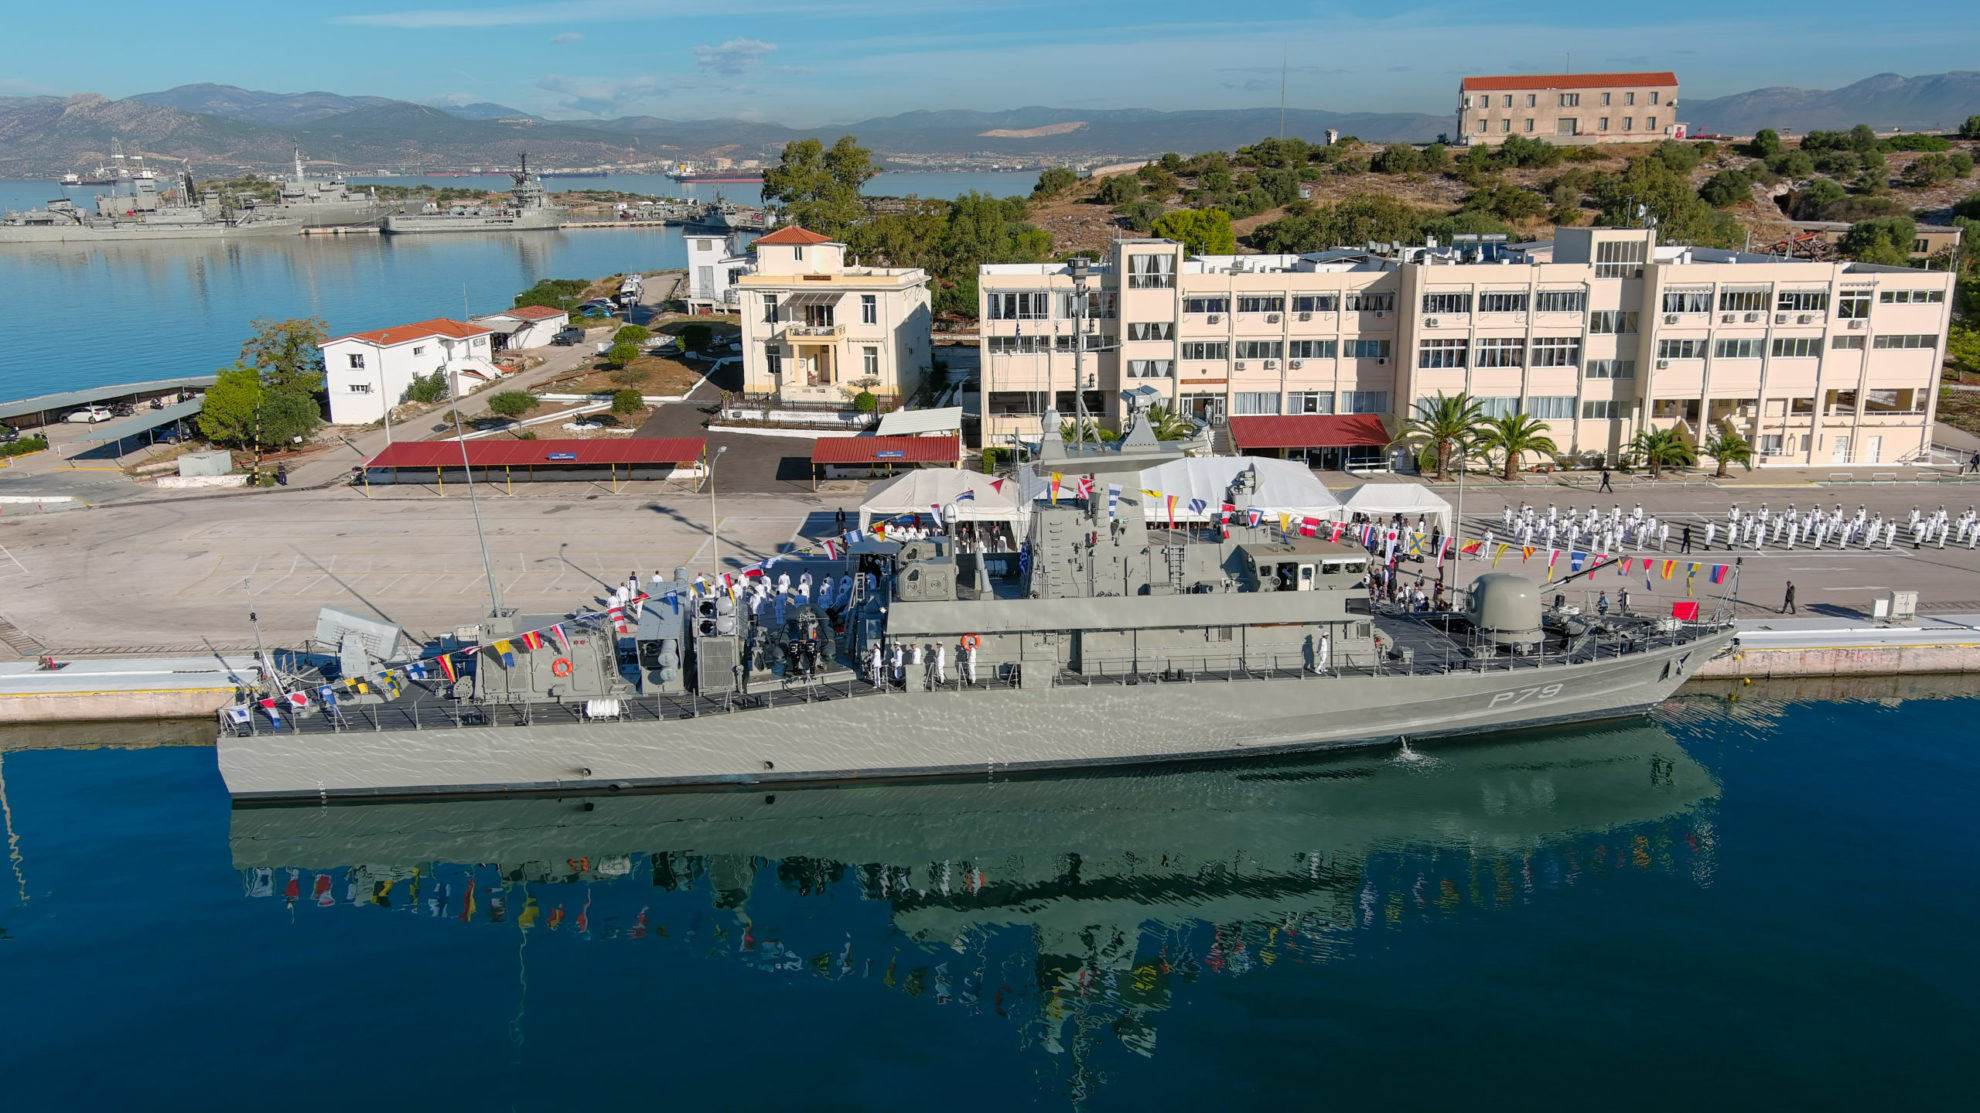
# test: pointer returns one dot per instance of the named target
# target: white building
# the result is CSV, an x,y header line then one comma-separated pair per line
x,y
713,265
526,326
367,372
817,330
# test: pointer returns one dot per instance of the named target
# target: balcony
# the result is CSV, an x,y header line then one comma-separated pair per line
x,y
812,334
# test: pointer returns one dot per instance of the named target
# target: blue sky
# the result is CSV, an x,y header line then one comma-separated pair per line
x,y
818,61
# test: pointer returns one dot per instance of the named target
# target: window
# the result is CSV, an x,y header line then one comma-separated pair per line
x,y
1501,352
1027,305
1570,100
1619,259
1749,348
870,361
1021,345
1317,303
1311,349
1527,124
1799,347
1440,353
1605,102
819,316
1488,406
869,309
1531,100
1148,368
1603,123
773,360
1371,302
1897,341
1556,351
1801,407
1770,444
1099,305
1006,403
1650,123
1251,402
770,309
1893,402
1560,301
1742,301
1151,330
1206,349
1505,125
1552,407
1258,349
1206,305
1629,123
1853,305
1611,321
1909,297
419,349
1802,301
357,361
1687,301
1507,302
800,254
1310,402
1151,272
1921,246
1610,369
1447,303
1629,98
1365,401
1367,349
1600,411
1847,343
1653,96
1261,305
360,388
1508,101
1482,125
1680,349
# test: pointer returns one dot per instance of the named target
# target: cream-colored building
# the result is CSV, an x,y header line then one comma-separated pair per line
x,y
1600,333
816,329
1570,108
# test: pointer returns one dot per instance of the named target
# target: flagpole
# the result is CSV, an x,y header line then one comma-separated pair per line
x,y
487,564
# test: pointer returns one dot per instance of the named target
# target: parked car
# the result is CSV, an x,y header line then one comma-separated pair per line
x,y
91,414
8,434
567,336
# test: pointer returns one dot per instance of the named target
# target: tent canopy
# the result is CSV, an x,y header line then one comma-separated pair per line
x,y
1284,487
1380,500
914,492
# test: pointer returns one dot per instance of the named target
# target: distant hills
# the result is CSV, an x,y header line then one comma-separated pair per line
x,y
224,129
1935,102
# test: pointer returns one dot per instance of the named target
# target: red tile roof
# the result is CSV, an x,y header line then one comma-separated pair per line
x,y
496,453
1308,431
420,330
1513,82
793,236
869,450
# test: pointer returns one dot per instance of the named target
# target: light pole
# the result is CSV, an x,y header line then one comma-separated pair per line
x,y
714,524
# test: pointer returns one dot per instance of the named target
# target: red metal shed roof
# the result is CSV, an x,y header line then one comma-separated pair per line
x,y
1514,82
1308,431
886,450
496,453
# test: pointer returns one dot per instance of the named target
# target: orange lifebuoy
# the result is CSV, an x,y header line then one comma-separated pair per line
x,y
971,641
561,667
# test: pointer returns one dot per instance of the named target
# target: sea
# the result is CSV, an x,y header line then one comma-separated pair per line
x,y
85,315
1755,901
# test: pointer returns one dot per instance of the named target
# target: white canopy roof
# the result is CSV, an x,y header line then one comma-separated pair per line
x,y
915,423
914,492
1380,500
1284,487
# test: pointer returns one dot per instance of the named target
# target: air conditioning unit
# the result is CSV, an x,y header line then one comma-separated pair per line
x,y
1725,318
1239,365
1297,363
1431,322
1752,318
1271,318
1381,361
1780,318
1663,364
1856,324
1271,365
1306,316
1805,319
1670,318
1214,318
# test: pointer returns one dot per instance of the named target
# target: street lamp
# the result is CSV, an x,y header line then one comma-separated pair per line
x,y
714,536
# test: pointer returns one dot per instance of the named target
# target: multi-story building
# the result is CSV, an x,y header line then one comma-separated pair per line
x,y
1570,108
367,373
818,330
1601,333
713,264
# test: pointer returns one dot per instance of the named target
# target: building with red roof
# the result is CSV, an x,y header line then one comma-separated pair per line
x,y
1570,109
525,326
366,373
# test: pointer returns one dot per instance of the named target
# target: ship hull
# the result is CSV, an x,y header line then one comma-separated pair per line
x,y
949,732
131,232
400,224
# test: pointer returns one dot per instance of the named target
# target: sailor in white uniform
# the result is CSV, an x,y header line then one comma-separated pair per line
x,y
941,663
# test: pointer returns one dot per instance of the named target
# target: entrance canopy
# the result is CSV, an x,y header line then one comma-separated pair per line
x,y
1380,500
916,491
1269,434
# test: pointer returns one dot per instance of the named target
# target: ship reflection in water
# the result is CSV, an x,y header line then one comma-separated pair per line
x,y
1075,908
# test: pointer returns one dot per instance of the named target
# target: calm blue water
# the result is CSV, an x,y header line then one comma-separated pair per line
x,y
1757,906
92,315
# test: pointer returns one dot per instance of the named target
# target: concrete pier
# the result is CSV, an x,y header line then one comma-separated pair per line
x,y
1796,647
120,688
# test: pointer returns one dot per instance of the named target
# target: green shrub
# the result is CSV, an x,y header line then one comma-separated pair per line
x,y
512,403
627,402
993,457
1119,190
426,389
632,334
526,435
1726,188
622,354
864,402
1962,163
1766,143
1053,182
695,338
24,446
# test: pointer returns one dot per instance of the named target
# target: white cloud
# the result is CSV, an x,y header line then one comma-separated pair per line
x,y
602,96
733,58
566,37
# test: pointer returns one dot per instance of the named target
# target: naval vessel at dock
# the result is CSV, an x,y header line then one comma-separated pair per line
x,y
527,209
1115,642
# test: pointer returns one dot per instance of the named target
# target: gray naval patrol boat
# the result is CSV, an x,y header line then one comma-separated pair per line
x,y
1117,643
527,209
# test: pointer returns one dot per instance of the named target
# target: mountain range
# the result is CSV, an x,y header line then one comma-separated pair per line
x,y
222,129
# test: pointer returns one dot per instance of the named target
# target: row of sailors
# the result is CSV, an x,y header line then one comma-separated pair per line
x,y
885,663
1742,528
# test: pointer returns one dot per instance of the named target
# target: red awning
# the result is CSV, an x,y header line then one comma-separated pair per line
x,y
886,450
1308,431
559,453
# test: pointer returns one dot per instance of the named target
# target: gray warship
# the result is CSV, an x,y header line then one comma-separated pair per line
x,y
1113,642
528,208
322,202
136,212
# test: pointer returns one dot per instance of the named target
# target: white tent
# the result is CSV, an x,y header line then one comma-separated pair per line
x,y
1283,487
914,492
1380,500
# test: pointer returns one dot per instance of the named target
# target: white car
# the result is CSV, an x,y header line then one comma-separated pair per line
x,y
91,414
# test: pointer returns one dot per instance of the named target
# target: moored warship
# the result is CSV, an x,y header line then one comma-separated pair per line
x,y
1114,642
137,211
528,208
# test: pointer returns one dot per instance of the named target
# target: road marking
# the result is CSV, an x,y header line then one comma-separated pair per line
x,y
14,560
1859,587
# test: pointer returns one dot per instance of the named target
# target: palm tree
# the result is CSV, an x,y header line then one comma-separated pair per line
x,y
1168,425
1516,435
1661,448
1728,449
1449,423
